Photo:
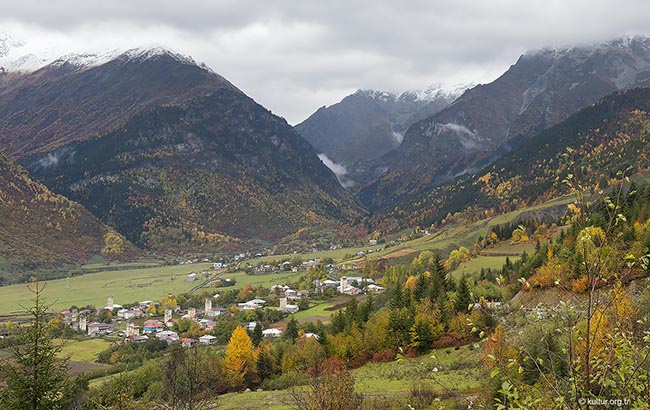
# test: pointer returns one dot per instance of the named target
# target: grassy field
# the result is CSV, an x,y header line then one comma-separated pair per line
x,y
268,400
443,370
101,266
266,279
126,286
83,350
475,264
129,285
318,312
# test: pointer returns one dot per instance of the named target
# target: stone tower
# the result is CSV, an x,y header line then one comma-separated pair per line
x,y
191,312
283,303
344,283
83,324
131,330
208,305
168,314
109,302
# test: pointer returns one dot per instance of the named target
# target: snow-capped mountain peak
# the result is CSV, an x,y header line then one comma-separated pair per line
x,y
625,43
156,50
13,57
376,94
436,92
7,43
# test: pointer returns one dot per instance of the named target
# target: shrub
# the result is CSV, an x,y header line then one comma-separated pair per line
x,y
330,390
384,356
579,285
284,381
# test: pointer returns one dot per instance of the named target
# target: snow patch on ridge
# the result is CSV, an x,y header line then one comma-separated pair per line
x,y
437,91
377,94
398,137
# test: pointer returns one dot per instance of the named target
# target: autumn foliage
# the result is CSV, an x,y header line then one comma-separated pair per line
x,y
239,364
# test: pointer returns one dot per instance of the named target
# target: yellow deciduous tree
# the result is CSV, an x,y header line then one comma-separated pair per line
x,y
497,351
519,235
151,310
114,245
410,283
239,364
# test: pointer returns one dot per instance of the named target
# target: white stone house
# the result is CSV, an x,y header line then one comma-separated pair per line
x,y
207,340
272,332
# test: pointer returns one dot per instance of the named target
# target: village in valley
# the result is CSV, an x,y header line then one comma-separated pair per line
x,y
144,320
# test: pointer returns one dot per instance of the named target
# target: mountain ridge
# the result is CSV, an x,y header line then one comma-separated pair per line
x,y
541,89
60,103
368,124
593,145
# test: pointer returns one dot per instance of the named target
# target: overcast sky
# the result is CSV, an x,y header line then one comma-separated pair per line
x,y
295,56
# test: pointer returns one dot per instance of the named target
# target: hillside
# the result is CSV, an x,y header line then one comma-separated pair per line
x,y
38,227
207,174
78,97
601,140
542,89
166,151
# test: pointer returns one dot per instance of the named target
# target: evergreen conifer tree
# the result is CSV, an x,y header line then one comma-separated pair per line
x,y
36,379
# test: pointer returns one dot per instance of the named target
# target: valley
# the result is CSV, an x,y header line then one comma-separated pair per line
x,y
167,241
129,284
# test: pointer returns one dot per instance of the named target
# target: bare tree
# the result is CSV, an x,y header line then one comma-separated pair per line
x,y
186,379
332,390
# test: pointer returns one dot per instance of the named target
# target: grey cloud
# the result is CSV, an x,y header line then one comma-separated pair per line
x,y
295,56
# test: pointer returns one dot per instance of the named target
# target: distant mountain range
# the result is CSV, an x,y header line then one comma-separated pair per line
x,y
593,146
166,151
543,88
368,124
175,158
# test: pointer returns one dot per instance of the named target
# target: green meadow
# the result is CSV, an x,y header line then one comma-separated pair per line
x,y
445,371
128,285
